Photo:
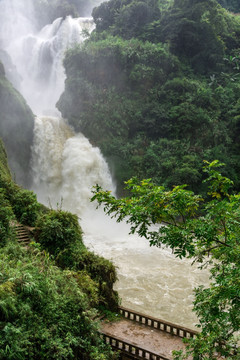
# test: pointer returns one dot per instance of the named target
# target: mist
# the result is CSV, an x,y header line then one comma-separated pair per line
x,y
32,57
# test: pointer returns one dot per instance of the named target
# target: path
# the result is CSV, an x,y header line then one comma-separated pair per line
x,y
22,233
153,340
142,337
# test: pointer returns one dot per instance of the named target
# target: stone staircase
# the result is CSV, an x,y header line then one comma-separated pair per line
x,y
23,234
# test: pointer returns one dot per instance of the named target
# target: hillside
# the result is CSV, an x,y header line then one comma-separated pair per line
x,y
4,169
158,93
51,290
16,129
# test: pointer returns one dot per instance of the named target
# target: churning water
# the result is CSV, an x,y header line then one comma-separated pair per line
x,y
65,167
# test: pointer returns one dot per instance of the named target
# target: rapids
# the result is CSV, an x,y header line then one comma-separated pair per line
x,y
65,166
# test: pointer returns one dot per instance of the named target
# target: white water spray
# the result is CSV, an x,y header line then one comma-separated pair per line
x,y
38,56
66,166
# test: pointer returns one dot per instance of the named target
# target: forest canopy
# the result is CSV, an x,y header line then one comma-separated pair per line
x,y
158,94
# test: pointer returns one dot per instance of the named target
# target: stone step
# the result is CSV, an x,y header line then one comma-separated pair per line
x,y
22,233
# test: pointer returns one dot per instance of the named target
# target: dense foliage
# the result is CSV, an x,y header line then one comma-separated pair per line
x,y
23,202
59,233
58,230
199,32
231,5
159,94
44,311
4,170
50,290
125,18
205,230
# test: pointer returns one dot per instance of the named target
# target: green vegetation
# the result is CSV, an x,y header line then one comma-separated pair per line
x,y
59,233
6,213
16,129
52,290
231,5
4,170
158,94
206,230
44,311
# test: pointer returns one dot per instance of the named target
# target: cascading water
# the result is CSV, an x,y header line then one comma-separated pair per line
x,y
44,52
66,166
38,55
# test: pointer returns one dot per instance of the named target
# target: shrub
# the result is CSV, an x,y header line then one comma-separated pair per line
x,y
57,231
23,202
103,272
6,215
25,206
44,313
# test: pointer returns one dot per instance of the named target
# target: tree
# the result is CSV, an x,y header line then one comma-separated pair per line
x,y
231,5
199,31
204,229
125,17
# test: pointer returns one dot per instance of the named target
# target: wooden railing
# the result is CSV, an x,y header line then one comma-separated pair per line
x,y
130,350
158,324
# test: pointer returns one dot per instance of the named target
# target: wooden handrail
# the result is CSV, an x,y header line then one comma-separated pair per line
x,y
157,324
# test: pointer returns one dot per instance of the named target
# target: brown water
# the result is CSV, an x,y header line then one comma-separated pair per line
x,y
151,280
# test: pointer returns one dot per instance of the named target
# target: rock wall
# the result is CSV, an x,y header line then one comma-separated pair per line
x,y
16,129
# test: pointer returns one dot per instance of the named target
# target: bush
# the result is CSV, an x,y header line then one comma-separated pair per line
x,y
44,313
60,234
57,231
6,215
103,272
25,206
23,202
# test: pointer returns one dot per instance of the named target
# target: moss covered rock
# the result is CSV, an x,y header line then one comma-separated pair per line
x,y
16,129
4,169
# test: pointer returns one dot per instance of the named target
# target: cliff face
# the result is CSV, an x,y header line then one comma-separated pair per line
x,y
16,129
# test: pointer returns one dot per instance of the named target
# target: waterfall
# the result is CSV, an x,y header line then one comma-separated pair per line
x,y
43,52
38,55
65,166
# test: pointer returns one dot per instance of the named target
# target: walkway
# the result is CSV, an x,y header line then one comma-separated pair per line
x,y
22,234
142,337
